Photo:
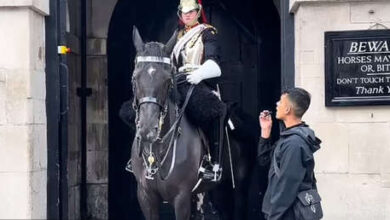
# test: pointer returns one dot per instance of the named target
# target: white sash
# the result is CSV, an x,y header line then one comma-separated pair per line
x,y
183,40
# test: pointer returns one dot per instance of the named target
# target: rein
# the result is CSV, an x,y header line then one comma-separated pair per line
x,y
174,128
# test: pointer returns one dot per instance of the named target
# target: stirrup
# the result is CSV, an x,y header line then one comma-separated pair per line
x,y
217,169
211,175
129,166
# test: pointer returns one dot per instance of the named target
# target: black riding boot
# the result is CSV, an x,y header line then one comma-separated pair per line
x,y
213,171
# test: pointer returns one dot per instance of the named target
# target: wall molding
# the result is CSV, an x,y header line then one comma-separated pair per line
x,y
39,6
294,4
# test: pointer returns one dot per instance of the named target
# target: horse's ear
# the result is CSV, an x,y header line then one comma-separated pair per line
x,y
137,40
171,43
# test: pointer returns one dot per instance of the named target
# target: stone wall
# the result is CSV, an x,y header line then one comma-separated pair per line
x,y
23,144
352,167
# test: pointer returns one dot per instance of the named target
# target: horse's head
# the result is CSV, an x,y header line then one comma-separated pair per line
x,y
152,79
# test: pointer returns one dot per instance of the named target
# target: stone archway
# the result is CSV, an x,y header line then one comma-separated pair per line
x,y
250,61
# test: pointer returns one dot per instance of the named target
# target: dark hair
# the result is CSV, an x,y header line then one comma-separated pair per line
x,y
300,99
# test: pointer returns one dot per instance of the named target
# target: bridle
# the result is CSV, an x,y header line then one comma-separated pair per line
x,y
172,133
150,99
163,105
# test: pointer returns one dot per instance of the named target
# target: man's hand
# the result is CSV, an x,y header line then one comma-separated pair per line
x,y
209,69
195,77
265,123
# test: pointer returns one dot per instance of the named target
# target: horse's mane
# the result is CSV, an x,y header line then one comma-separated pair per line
x,y
153,49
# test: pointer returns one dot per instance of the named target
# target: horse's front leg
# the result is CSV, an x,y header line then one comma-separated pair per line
x,y
182,205
149,202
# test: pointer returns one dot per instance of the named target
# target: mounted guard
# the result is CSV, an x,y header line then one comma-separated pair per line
x,y
195,56
168,147
196,59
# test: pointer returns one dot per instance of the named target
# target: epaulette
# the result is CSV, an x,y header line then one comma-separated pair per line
x,y
212,27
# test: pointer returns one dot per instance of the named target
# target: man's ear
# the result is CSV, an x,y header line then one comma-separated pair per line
x,y
289,106
289,109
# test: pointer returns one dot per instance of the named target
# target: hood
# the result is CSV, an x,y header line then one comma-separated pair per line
x,y
306,134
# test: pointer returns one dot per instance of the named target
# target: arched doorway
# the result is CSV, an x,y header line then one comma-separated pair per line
x,y
249,38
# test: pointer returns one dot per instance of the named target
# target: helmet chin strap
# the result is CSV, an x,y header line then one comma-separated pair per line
x,y
194,22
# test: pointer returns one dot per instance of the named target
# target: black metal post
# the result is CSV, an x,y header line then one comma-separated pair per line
x,y
52,112
288,45
57,112
64,110
83,92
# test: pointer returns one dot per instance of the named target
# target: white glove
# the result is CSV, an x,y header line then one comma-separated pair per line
x,y
209,69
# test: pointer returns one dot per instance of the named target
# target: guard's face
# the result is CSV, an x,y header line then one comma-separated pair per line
x,y
283,107
190,17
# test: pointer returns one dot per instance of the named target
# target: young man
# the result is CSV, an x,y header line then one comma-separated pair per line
x,y
292,154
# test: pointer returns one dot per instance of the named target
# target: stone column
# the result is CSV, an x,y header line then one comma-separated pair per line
x,y
353,164
23,145
99,16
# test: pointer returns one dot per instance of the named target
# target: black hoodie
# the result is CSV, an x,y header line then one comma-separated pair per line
x,y
294,157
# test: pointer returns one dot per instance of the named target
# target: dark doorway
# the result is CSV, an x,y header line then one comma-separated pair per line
x,y
249,38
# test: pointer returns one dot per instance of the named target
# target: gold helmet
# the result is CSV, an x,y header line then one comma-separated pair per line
x,y
188,5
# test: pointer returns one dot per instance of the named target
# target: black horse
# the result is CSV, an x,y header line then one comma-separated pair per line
x,y
167,150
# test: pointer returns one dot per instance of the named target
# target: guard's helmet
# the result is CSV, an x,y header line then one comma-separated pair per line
x,y
188,5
